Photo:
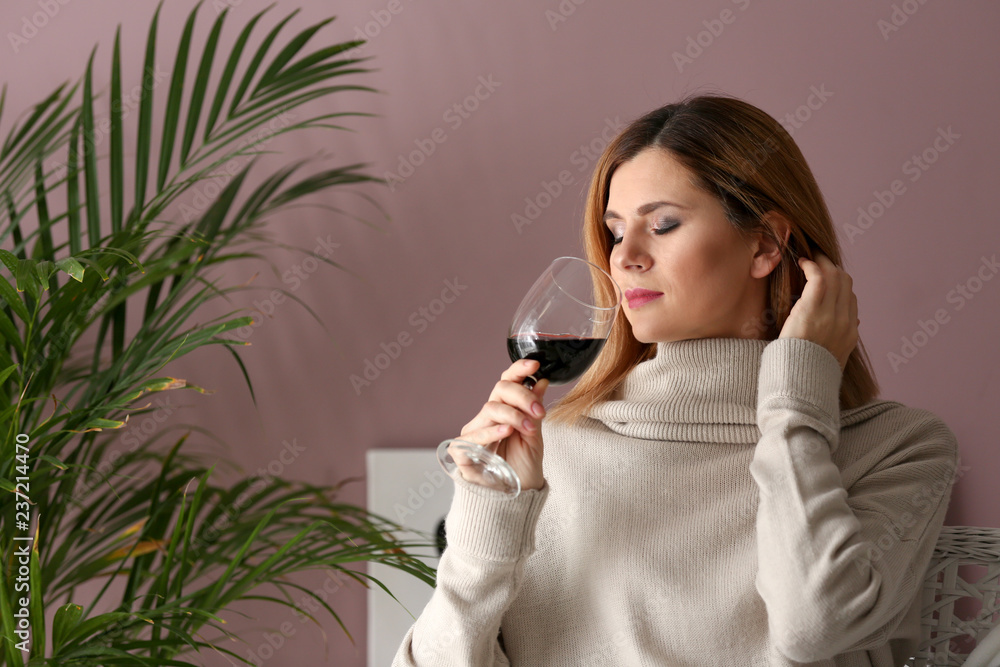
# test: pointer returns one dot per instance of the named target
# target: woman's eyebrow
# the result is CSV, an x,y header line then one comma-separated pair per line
x,y
644,209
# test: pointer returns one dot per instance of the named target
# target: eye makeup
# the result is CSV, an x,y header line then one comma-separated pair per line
x,y
666,225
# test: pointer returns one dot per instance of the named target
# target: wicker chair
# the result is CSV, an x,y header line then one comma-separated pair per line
x,y
956,575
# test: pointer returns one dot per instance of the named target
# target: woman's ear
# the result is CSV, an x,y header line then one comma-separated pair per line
x,y
767,248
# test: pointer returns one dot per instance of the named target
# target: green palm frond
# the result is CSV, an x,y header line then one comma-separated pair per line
x,y
82,248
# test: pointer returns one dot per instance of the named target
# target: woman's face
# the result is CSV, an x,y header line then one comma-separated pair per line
x,y
673,239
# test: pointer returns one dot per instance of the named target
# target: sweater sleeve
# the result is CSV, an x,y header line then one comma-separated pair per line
x,y
490,536
838,569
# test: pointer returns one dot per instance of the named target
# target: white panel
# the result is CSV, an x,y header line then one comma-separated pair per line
x,y
409,487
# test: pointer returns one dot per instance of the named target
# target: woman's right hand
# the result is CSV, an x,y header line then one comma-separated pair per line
x,y
513,414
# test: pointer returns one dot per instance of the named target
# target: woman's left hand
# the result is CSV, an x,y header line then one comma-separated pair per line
x,y
827,312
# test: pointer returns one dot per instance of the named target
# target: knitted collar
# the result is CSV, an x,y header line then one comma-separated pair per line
x,y
699,390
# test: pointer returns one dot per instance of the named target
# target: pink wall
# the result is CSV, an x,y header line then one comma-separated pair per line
x,y
896,79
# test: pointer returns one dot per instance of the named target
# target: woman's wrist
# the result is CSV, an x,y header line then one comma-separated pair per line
x,y
490,524
799,380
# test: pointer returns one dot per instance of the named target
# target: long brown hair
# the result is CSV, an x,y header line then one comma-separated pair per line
x,y
750,163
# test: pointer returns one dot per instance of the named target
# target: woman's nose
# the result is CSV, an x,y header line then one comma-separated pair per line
x,y
631,253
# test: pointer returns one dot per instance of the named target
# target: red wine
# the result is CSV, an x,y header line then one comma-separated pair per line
x,y
563,357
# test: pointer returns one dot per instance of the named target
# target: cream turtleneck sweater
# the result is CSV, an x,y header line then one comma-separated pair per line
x,y
721,510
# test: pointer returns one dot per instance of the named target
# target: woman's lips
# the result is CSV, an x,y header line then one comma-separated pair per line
x,y
638,296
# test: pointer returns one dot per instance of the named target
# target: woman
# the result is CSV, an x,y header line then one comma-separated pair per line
x,y
722,487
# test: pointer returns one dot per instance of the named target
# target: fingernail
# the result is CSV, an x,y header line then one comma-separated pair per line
x,y
528,425
538,410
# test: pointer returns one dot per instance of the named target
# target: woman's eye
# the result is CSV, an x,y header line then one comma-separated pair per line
x,y
666,225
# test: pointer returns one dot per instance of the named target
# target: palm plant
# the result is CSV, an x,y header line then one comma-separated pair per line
x,y
175,546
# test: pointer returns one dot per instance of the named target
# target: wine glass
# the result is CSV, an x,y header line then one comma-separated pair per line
x,y
563,322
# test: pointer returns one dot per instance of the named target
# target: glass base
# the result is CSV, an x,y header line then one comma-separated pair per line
x,y
478,465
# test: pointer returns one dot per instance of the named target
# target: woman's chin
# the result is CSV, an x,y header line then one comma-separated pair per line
x,y
648,336
644,335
